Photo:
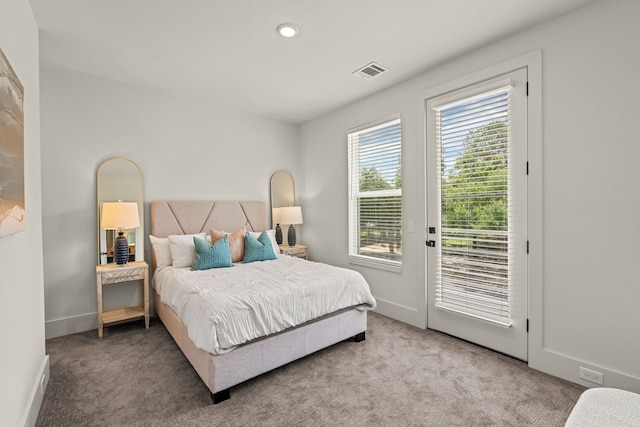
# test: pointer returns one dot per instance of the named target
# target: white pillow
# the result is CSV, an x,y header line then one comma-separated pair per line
x,y
183,249
160,246
272,237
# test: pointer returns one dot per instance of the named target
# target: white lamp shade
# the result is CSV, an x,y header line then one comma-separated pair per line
x,y
276,214
119,215
291,215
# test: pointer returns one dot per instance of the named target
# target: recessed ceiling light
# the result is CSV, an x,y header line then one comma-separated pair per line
x,y
288,30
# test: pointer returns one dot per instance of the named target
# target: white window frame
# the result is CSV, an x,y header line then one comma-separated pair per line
x,y
354,194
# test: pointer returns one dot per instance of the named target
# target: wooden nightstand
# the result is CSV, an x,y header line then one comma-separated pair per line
x,y
299,251
113,273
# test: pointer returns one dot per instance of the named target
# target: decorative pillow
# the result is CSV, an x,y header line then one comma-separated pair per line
x,y
211,255
183,249
236,241
257,250
272,237
161,251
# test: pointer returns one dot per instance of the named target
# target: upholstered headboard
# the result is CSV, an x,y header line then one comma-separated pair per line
x,y
191,217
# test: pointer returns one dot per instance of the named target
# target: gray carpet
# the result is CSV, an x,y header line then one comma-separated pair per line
x,y
400,376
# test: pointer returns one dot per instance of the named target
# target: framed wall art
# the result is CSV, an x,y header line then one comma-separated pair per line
x,y
12,206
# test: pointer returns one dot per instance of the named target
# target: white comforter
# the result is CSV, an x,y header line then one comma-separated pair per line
x,y
225,307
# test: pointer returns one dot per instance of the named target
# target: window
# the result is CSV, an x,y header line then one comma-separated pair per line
x,y
480,189
375,195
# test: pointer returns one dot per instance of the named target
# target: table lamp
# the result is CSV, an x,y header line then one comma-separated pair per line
x,y
119,216
291,215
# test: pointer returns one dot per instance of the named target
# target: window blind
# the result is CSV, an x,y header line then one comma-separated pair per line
x,y
375,193
473,149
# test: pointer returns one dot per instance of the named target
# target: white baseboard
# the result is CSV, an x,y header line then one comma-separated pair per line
x,y
70,325
37,394
567,368
399,312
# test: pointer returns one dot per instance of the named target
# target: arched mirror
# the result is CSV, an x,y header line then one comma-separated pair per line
x,y
283,193
119,179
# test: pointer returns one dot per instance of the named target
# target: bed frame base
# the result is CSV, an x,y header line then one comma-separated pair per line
x,y
223,371
223,395
220,396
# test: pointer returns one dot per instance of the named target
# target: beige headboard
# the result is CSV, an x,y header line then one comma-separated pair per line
x,y
190,217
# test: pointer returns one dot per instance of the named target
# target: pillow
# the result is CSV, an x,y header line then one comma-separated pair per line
x,y
211,255
161,251
257,250
236,241
183,249
272,237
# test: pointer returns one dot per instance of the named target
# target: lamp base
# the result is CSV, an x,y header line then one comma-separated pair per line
x,y
278,234
121,250
292,235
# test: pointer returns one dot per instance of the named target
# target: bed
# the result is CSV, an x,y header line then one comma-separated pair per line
x,y
223,359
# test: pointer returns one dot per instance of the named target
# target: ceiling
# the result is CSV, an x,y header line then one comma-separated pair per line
x,y
227,52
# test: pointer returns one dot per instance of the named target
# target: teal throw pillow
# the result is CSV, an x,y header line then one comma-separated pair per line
x,y
257,250
212,255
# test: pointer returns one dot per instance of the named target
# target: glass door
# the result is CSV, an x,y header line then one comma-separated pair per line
x,y
476,213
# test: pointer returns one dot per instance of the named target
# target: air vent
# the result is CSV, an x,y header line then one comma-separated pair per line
x,y
370,70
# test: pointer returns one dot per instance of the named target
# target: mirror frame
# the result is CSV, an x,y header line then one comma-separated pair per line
x,y
139,242
279,198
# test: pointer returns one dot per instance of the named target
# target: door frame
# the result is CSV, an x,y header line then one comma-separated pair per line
x,y
533,62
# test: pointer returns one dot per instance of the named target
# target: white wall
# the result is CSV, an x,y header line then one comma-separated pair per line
x,y
186,151
22,358
584,307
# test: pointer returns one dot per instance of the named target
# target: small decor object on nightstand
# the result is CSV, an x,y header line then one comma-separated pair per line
x,y
291,215
119,216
